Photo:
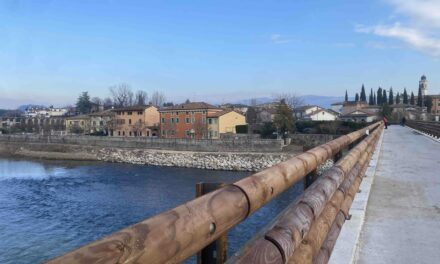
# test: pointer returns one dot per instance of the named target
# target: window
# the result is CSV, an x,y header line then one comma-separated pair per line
x,y
177,113
204,120
163,132
163,120
82,122
130,133
187,133
215,133
119,133
177,120
129,113
101,123
140,112
210,121
140,133
187,120
71,122
123,133
187,113
172,119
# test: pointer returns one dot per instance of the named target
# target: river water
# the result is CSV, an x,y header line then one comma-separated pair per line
x,y
49,208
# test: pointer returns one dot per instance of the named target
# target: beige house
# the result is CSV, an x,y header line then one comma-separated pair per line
x,y
136,121
224,122
101,122
78,124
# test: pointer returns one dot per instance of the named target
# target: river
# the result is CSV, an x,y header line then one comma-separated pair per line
x,y
48,208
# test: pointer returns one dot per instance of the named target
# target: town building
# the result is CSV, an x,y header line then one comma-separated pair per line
x,y
321,115
266,115
188,120
241,108
224,122
351,106
360,116
435,109
135,121
78,124
45,112
337,107
423,85
303,111
101,122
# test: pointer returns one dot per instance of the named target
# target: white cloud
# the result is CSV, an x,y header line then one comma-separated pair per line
x,y
422,12
279,39
421,31
412,36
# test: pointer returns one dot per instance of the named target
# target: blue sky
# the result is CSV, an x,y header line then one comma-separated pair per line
x,y
51,51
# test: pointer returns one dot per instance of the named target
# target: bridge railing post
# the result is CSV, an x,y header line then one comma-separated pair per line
x,y
216,252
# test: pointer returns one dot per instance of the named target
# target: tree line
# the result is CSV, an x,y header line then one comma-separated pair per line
x,y
382,97
121,95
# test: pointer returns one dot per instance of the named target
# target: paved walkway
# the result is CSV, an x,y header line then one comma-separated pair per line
x,y
402,222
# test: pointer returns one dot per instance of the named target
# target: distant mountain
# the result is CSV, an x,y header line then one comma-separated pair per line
x,y
323,101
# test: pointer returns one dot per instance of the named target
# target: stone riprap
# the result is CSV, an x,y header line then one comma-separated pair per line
x,y
201,160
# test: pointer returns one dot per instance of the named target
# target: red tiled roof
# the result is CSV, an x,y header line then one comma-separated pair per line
x,y
220,113
190,106
133,108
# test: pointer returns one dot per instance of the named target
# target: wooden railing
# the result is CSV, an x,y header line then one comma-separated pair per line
x,y
428,127
175,235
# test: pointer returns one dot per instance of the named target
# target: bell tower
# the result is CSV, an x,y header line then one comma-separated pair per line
x,y
423,85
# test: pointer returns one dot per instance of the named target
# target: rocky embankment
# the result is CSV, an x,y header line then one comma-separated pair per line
x,y
186,159
201,160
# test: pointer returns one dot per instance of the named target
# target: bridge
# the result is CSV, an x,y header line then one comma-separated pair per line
x,y
379,203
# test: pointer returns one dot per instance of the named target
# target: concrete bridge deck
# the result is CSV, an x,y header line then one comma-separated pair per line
x,y
402,222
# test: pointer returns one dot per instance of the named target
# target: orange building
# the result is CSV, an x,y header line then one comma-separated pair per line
x,y
136,121
187,120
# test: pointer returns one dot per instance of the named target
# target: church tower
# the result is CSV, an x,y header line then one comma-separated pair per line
x,y
423,85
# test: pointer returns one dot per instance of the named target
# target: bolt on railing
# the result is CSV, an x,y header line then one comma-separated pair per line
x,y
179,233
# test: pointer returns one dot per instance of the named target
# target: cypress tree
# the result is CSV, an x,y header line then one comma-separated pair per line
x,y
391,97
412,100
346,96
370,99
384,97
356,98
405,96
379,96
374,99
363,94
420,98
398,98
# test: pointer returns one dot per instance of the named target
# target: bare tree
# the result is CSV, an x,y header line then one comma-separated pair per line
x,y
200,129
157,99
122,95
291,99
108,103
141,98
97,100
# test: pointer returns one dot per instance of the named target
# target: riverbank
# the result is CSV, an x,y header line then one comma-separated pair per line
x,y
231,161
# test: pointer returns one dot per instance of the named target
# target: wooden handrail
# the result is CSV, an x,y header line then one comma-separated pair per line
x,y
179,233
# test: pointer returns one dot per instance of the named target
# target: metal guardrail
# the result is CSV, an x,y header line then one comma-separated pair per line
x,y
175,235
428,127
